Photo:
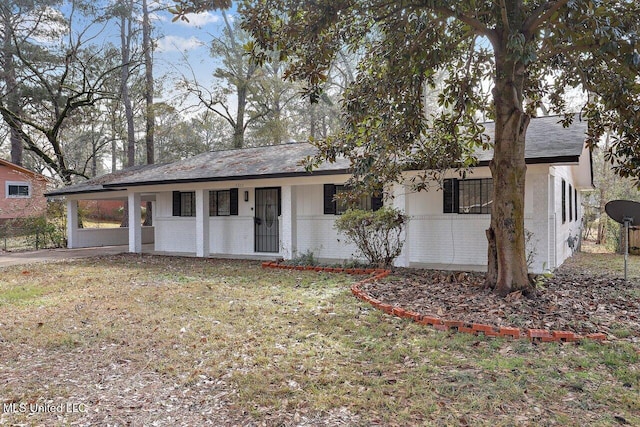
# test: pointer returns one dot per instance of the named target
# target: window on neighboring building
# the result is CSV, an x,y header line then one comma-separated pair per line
x,y
184,203
468,196
338,207
18,189
223,202
564,201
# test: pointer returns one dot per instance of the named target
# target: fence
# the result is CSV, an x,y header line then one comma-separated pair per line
x,y
634,241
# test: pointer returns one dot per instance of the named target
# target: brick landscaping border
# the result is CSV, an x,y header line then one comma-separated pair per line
x,y
533,335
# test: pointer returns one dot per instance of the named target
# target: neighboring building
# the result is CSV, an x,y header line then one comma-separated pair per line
x,y
21,192
104,210
261,203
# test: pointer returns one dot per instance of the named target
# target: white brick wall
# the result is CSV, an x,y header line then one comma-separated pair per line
x,y
448,239
433,238
92,237
175,234
570,228
231,235
316,233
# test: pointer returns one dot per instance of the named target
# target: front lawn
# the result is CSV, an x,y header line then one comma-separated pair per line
x,y
182,341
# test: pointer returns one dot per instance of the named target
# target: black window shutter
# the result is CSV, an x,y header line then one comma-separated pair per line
x,y
279,201
176,204
376,202
564,201
233,201
329,203
450,196
570,203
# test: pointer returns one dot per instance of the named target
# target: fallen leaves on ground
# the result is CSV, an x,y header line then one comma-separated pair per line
x,y
571,300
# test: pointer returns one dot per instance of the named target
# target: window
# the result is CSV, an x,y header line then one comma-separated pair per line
x,y
184,203
575,205
188,204
468,196
223,202
564,201
219,203
18,189
342,205
570,204
338,207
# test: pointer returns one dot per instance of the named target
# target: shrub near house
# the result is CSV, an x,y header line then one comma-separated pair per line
x,y
377,234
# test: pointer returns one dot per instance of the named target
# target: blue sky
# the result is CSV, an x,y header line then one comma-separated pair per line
x,y
179,42
181,47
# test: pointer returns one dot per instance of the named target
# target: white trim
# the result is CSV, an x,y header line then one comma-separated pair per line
x,y
17,183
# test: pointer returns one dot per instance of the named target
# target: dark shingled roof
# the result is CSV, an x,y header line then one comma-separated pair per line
x,y
249,163
97,184
547,142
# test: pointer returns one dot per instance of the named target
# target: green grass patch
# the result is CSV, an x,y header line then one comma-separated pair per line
x,y
17,295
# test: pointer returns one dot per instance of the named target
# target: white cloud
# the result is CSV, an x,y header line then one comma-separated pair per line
x,y
199,19
178,44
46,28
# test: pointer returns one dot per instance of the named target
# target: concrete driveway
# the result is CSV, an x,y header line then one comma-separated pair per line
x,y
45,255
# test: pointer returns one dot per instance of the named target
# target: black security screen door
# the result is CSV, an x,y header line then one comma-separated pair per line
x,y
266,219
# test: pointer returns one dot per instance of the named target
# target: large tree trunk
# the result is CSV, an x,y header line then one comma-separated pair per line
x,y
603,189
148,93
148,82
126,32
243,78
238,130
507,257
12,95
312,120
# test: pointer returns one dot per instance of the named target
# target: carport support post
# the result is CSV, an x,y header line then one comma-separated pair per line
x,y
135,224
72,224
289,229
202,223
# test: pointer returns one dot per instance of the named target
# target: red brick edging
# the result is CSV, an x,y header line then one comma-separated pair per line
x,y
533,335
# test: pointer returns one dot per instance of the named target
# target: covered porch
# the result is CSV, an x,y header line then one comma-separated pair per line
x,y
131,237
199,234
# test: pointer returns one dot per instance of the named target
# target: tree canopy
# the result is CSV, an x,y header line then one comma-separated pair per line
x,y
504,60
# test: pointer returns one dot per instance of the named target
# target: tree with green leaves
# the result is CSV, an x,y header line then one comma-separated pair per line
x,y
501,58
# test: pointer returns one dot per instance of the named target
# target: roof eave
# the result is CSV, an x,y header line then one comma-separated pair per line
x,y
227,178
70,193
24,170
541,160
